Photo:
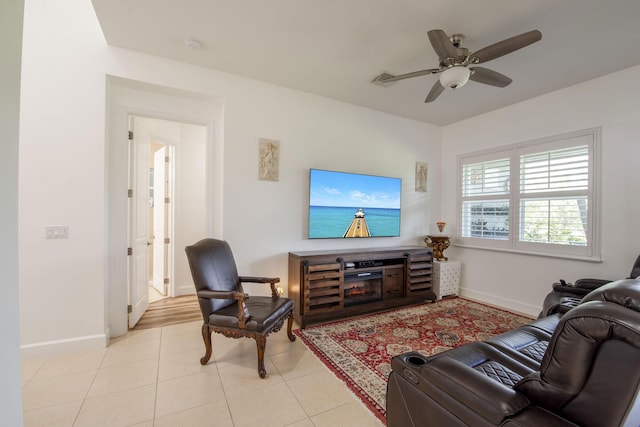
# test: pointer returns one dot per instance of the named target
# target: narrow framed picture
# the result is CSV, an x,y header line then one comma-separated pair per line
x,y
268,159
422,170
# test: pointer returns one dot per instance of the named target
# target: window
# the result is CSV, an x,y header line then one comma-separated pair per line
x,y
535,197
485,195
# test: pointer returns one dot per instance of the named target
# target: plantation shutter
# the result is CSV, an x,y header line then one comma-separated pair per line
x,y
554,194
485,198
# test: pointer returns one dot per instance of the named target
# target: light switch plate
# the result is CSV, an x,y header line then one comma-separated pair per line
x,y
56,232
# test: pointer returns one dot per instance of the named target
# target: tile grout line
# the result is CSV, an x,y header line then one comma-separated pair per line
x,y
84,399
155,395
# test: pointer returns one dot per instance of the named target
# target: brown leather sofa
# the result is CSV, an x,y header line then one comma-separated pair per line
x,y
581,368
565,296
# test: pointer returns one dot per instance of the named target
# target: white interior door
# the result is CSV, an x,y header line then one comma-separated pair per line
x,y
159,220
139,228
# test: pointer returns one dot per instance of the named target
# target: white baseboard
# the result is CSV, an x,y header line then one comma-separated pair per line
x,y
505,303
70,345
184,290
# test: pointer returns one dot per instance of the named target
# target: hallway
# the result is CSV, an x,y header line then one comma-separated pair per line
x,y
169,311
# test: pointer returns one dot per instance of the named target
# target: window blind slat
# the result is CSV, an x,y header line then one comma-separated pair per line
x,y
486,178
555,170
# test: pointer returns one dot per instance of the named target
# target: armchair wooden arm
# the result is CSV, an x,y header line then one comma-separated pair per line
x,y
271,280
243,313
221,294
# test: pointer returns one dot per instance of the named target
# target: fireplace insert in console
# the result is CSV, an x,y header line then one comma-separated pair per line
x,y
362,287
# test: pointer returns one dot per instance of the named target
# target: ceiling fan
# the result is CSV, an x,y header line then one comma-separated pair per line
x,y
454,66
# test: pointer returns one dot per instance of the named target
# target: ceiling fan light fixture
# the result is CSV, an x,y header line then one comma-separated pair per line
x,y
455,77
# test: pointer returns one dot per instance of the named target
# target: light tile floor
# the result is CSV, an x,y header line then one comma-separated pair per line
x,y
153,378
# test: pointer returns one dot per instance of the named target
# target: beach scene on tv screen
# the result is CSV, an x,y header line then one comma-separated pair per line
x,y
349,205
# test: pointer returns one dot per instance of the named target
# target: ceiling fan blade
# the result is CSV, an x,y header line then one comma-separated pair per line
x,y
435,92
489,77
442,45
504,47
388,78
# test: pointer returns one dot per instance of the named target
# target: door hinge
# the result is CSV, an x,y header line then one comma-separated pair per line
x,y
130,135
129,308
166,159
129,193
166,280
167,240
167,200
129,251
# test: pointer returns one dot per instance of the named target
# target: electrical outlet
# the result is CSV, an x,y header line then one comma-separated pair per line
x,y
56,232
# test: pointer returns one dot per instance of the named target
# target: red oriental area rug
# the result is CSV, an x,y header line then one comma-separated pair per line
x,y
359,350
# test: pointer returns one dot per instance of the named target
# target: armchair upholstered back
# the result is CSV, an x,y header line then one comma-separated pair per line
x,y
213,268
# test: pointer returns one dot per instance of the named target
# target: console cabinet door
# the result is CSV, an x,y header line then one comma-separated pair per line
x,y
323,287
393,282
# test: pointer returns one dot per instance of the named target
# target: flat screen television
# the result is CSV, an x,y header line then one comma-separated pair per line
x,y
350,205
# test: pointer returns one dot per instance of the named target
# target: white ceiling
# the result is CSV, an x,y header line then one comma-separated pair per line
x,y
334,48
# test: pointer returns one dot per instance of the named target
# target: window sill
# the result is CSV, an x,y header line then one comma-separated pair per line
x,y
594,259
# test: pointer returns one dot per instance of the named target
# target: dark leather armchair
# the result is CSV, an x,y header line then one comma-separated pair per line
x,y
588,375
226,309
565,296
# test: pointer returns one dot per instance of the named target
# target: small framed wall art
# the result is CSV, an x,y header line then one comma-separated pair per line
x,y
422,170
268,159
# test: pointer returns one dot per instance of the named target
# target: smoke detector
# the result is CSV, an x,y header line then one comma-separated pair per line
x,y
193,44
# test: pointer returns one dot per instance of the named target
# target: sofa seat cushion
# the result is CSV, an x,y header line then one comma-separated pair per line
x,y
546,324
526,344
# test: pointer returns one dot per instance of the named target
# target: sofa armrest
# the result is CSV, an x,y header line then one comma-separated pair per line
x,y
580,287
570,289
487,397
591,284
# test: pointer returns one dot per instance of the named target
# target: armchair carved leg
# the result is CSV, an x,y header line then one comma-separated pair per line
x,y
206,336
289,326
261,342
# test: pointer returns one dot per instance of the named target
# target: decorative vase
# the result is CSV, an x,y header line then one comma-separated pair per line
x,y
438,244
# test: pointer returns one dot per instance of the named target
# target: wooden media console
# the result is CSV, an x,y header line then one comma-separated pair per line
x,y
328,285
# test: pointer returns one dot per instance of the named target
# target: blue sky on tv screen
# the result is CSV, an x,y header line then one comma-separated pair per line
x,y
329,188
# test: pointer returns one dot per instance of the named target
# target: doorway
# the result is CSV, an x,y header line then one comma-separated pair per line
x,y
166,206
198,168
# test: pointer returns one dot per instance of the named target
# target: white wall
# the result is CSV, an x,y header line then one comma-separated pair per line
x,y
10,51
61,177
521,281
66,166
265,220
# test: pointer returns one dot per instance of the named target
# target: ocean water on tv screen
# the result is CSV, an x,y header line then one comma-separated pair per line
x,y
332,222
